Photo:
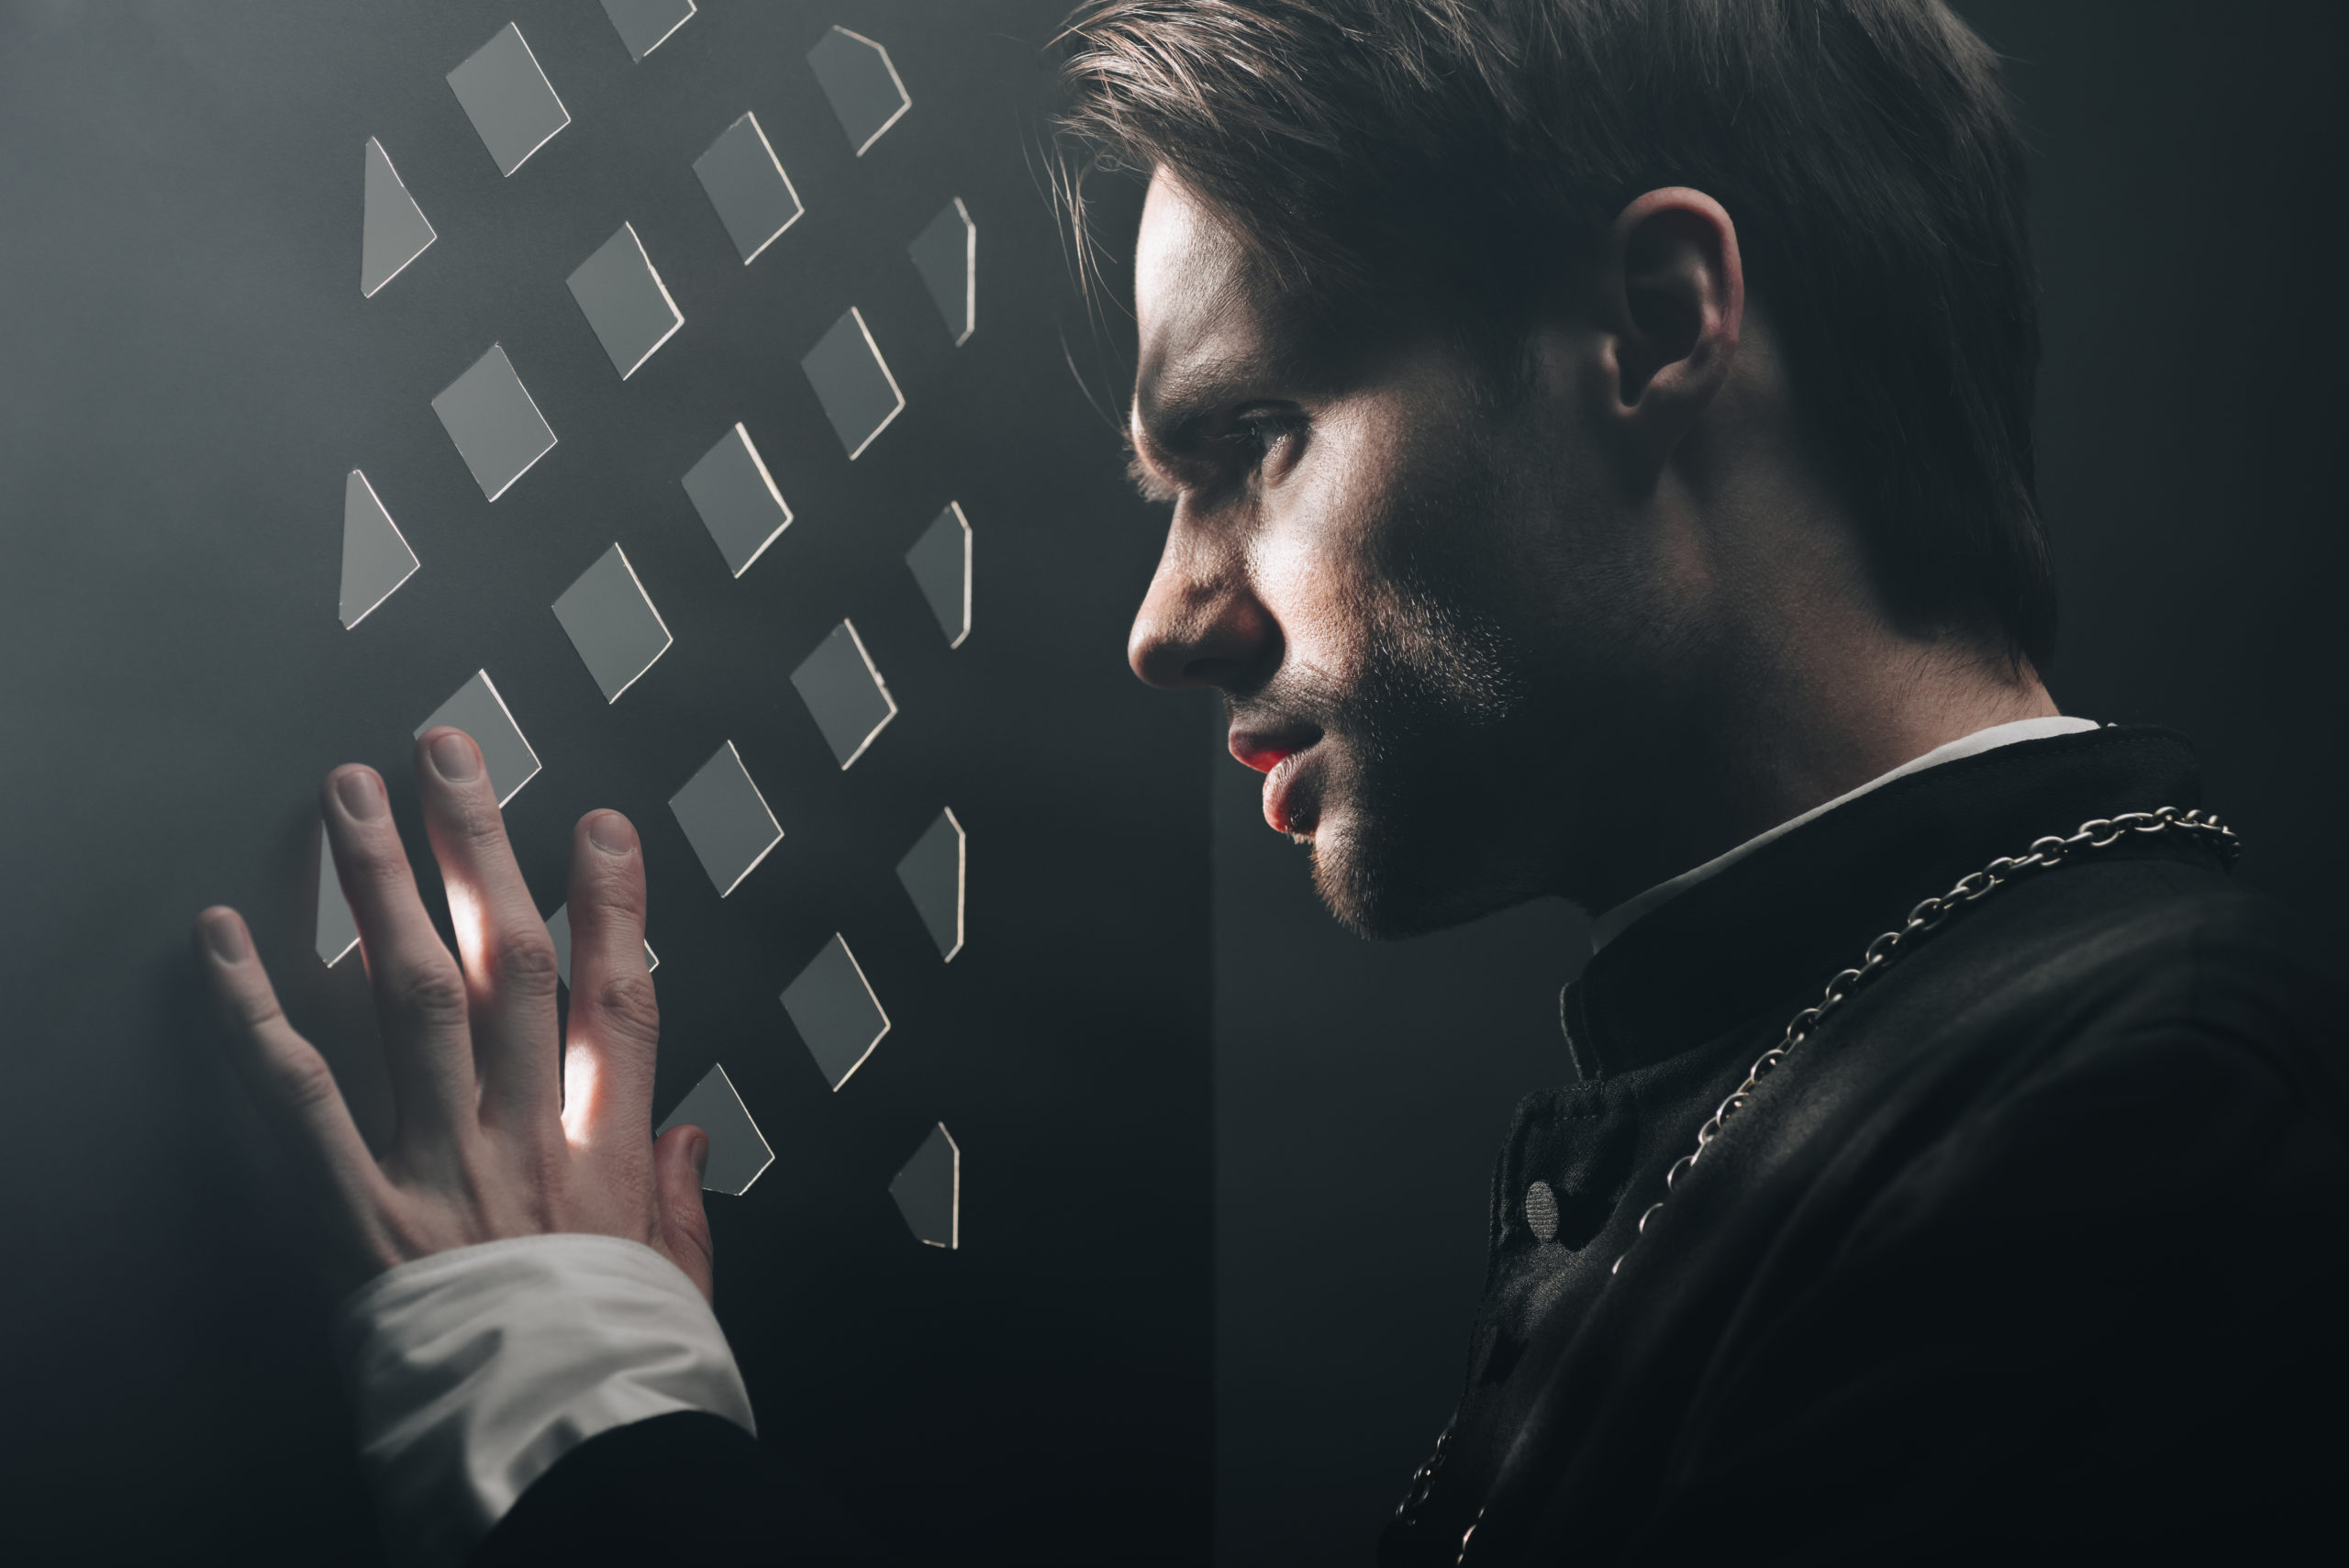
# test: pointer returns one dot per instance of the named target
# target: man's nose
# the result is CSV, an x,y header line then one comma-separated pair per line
x,y
1201,623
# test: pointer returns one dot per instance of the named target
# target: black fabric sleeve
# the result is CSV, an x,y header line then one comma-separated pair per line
x,y
687,1487
2102,1323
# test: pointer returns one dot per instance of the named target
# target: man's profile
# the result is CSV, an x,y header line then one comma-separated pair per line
x,y
1597,441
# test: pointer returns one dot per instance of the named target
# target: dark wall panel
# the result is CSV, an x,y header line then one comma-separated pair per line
x,y
191,372
2191,402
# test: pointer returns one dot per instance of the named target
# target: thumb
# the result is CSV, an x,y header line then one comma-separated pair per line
x,y
679,1158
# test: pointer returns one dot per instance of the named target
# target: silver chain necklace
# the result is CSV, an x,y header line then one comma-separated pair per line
x,y
2044,855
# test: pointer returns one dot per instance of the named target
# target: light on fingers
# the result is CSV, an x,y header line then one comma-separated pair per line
x,y
471,922
580,1088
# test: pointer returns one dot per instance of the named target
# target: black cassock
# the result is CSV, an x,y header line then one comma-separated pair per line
x,y
2035,1249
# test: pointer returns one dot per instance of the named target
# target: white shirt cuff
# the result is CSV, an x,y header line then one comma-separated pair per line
x,y
473,1370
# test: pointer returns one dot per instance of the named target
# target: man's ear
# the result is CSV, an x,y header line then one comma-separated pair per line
x,y
1672,297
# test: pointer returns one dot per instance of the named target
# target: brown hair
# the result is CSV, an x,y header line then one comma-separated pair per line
x,y
1439,156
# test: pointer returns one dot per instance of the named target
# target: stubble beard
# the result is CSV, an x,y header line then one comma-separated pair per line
x,y
1404,846
1514,720
1418,820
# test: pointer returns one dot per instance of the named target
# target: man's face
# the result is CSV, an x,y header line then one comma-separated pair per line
x,y
1432,620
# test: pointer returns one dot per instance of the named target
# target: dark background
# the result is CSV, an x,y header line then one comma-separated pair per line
x,y
2189,219
187,372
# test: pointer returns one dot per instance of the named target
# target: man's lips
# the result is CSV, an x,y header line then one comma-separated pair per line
x,y
1279,756
1264,748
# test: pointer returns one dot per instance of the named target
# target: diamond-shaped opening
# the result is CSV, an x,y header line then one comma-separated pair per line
x,y
736,499
508,99
337,930
846,694
612,623
738,1154
754,196
625,301
941,563
480,712
394,230
835,1012
861,81
928,1190
375,556
645,24
559,933
853,384
726,819
933,873
946,254
495,422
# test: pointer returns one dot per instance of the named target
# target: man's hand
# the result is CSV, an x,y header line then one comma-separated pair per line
x,y
488,1143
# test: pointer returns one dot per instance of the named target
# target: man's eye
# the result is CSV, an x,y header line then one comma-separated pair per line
x,y
1264,434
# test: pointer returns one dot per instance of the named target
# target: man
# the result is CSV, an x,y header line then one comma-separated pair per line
x,y
1598,435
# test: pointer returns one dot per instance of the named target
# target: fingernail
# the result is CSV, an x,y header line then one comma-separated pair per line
x,y
610,832
701,1154
224,937
454,758
362,794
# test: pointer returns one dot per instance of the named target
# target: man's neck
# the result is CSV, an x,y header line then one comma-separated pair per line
x,y
1791,685
1607,926
1841,731
1814,730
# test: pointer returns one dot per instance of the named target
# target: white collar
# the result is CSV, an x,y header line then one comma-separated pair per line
x,y
1606,928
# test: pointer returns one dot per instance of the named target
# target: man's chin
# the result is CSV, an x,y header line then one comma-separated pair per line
x,y
1383,892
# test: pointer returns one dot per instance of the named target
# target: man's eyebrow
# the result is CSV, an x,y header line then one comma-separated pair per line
x,y
1168,408
1169,405
1167,411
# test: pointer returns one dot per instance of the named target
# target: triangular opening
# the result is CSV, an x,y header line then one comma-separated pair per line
x,y
396,231
375,558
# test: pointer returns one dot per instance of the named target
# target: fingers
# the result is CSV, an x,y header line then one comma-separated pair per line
x,y
615,1020
507,956
286,1075
420,991
678,1161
